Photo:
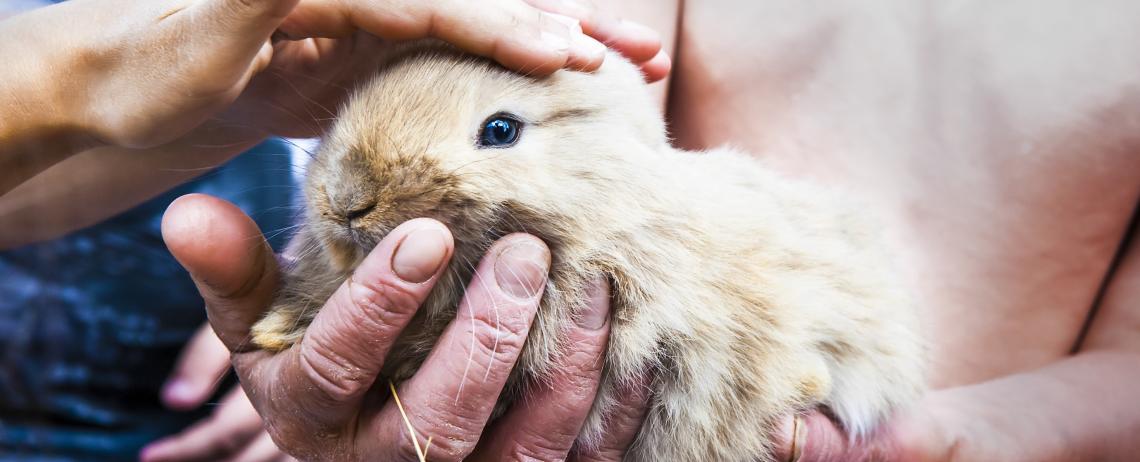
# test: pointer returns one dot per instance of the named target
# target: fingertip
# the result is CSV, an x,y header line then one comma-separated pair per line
x,y
635,41
422,249
658,67
521,265
784,438
417,224
153,452
531,60
587,54
182,395
597,310
228,259
207,235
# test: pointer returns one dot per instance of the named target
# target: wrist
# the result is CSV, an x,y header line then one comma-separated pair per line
x,y
37,129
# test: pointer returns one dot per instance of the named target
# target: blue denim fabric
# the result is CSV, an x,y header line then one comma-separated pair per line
x,y
91,324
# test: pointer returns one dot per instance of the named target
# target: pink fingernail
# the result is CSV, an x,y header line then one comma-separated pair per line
x,y
597,304
520,270
179,393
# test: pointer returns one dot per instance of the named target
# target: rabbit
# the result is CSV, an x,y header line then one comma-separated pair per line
x,y
746,295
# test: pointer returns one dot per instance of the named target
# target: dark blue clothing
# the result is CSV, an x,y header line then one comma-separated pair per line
x,y
91,324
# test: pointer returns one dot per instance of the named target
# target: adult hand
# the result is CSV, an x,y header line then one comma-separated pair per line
x,y
320,399
233,432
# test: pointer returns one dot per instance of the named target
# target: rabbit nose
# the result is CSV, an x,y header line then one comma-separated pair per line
x,y
359,211
349,205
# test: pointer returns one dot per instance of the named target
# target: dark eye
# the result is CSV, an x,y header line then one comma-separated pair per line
x,y
500,131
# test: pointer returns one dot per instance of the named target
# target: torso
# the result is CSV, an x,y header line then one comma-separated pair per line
x,y
1005,181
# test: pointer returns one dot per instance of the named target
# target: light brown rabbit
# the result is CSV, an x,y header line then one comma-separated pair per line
x,y
749,296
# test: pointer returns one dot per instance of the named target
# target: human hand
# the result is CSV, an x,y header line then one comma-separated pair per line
x,y
920,434
233,432
143,74
321,399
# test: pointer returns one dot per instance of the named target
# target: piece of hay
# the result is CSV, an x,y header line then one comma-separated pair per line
x,y
421,453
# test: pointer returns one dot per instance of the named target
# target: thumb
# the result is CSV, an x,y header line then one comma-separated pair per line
x,y
203,363
229,260
814,437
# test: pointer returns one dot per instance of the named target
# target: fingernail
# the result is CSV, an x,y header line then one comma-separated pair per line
x,y
520,270
555,41
597,305
420,255
574,25
585,45
153,452
178,393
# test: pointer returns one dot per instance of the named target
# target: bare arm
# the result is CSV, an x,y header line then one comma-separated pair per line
x,y
123,73
35,129
101,182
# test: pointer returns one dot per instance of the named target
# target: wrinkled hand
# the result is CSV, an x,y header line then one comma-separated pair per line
x,y
144,74
322,399
233,432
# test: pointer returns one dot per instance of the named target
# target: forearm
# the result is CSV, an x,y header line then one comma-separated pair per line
x,y
37,128
101,182
1082,408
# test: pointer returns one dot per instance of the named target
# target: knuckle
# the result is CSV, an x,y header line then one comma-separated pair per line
x,y
291,443
304,441
231,442
376,306
442,450
504,337
406,451
584,360
455,431
553,446
330,373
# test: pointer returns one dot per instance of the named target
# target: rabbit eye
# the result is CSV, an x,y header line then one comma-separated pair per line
x,y
500,131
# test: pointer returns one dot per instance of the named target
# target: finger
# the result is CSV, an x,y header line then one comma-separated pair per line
x,y
511,32
232,427
548,420
636,42
623,420
657,68
343,350
235,30
814,437
227,258
201,366
454,392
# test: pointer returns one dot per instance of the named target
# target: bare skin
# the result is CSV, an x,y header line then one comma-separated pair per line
x,y
1005,174
179,82
1000,149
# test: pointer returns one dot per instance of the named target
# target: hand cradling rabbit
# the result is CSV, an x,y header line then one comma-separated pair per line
x,y
746,295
